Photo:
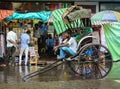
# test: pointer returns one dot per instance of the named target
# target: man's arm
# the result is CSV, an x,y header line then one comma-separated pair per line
x,y
11,41
61,45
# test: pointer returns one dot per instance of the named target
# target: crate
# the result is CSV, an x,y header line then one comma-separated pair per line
x,y
33,56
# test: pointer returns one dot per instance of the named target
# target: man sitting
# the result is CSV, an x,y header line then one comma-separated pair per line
x,y
69,46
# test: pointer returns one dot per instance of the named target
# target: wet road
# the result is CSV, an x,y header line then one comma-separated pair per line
x,y
59,78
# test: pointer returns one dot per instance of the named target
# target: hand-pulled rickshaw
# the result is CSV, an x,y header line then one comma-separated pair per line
x,y
93,60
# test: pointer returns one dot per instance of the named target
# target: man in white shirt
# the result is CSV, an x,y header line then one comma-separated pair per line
x,y
11,46
70,46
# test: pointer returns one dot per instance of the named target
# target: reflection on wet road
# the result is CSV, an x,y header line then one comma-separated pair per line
x,y
15,74
61,74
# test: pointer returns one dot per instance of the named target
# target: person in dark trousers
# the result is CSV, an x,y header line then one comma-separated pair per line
x,y
37,34
50,45
11,46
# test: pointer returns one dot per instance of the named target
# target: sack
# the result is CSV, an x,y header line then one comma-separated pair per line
x,y
75,12
83,13
69,10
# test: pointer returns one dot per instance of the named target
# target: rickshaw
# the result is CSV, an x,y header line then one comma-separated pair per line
x,y
92,61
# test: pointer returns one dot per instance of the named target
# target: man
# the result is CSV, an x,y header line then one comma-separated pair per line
x,y
37,34
50,45
69,46
11,46
25,40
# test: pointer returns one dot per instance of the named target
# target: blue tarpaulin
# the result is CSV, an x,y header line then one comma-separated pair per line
x,y
43,15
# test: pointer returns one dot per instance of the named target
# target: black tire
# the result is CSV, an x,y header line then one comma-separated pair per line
x,y
94,65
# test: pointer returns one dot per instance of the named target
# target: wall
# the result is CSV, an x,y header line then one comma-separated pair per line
x,y
89,4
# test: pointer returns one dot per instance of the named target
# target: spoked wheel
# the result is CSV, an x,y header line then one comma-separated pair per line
x,y
93,62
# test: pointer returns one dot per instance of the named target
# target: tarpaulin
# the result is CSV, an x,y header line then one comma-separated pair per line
x,y
112,35
43,15
5,13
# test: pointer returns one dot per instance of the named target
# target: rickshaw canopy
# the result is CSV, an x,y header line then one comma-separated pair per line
x,y
59,24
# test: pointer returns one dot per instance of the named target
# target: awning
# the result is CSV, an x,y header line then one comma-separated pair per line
x,y
5,13
43,15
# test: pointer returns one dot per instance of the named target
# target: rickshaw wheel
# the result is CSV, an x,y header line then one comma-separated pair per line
x,y
94,62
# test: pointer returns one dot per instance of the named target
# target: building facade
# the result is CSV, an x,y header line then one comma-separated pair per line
x,y
99,5
38,5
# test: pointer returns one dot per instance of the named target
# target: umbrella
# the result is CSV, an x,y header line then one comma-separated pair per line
x,y
5,13
105,17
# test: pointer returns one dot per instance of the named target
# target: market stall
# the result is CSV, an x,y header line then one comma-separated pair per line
x,y
22,22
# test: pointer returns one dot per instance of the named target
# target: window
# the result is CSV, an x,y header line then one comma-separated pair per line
x,y
110,6
92,7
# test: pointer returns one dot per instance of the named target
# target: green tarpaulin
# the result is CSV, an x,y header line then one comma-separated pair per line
x,y
43,15
59,24
112,35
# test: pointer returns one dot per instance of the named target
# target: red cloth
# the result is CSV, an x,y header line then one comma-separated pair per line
x,y
5,13
52,6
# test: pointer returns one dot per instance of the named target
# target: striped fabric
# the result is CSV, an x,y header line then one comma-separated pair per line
x,y
58,23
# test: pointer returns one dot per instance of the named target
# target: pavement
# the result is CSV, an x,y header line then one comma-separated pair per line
x,y
11,78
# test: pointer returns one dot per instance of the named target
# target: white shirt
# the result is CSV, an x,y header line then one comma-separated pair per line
x,y
60,39
11,36
73,44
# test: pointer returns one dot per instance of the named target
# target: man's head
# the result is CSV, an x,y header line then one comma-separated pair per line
x,y
10,28
40,23
67,33
36,25
50,36
28,32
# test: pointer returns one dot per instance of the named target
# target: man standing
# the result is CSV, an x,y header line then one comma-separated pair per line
x,y
37,34
50,45
11,46
25,40
70,45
